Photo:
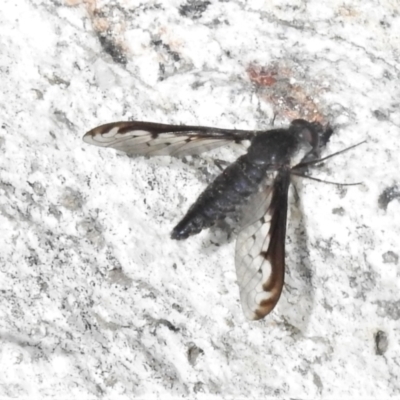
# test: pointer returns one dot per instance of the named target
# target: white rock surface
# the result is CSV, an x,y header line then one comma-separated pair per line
x,y
96,300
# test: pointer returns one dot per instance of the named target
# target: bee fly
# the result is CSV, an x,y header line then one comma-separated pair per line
x,y
257,183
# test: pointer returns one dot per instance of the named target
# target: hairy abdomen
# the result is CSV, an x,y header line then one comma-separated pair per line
x,y
229,190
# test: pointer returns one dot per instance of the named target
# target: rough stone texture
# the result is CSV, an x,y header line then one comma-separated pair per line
x,y
96,300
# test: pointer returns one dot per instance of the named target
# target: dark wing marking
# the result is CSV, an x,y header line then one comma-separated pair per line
x,y
260,249
152,139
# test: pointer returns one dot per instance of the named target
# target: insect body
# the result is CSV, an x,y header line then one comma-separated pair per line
x,y
257,182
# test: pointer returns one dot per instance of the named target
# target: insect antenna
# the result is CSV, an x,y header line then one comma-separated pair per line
x,y
324,181
319,160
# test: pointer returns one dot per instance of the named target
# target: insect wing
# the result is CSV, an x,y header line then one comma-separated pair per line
x,y
260,249
152,139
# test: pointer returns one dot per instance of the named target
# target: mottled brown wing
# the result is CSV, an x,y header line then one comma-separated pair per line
x,y
152,139
260,249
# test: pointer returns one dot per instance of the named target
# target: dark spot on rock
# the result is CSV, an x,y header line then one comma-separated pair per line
x,y
57,80
380,115
161,68
390,257
113,49
177,307
381,343
198,387
389,194
338,211
168,324
193,353
193,9
317,382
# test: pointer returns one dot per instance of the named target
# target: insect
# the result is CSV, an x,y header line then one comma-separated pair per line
x,y
257,183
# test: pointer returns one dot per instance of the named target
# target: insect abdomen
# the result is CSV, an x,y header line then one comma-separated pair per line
x,y
230,189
